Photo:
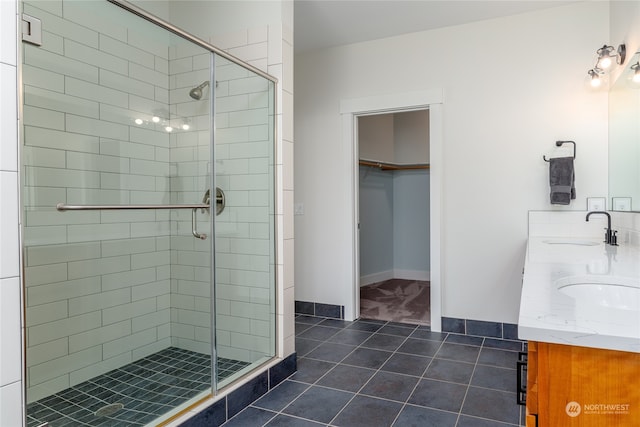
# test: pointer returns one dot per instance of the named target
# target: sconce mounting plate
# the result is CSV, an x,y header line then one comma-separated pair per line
x,y
622,53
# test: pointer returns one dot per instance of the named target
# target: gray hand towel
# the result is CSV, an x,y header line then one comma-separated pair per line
x,y
561,180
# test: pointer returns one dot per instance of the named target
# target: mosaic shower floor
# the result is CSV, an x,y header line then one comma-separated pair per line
x,y
133,395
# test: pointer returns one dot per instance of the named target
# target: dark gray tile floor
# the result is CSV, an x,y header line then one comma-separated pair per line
x,y
373,373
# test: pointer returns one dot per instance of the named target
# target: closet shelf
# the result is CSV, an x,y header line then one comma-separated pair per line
x,y
387,166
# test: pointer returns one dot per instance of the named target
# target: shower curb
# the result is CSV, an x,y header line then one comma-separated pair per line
x,y
222,410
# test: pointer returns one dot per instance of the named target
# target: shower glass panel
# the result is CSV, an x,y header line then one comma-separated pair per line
x,y
245,252
123,312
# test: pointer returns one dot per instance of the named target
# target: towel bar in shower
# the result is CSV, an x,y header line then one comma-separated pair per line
x,y
63,207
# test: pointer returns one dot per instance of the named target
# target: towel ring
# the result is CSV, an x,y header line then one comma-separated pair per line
x,y
558,144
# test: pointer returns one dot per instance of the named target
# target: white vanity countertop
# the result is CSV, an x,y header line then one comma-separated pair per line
x,y
549,315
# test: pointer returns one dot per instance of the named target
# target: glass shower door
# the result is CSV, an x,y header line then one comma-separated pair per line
x,y
245,252
118,281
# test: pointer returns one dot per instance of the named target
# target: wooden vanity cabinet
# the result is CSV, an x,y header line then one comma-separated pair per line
x,y
579,386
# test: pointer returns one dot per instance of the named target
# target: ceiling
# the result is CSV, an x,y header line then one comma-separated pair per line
x,y
326,23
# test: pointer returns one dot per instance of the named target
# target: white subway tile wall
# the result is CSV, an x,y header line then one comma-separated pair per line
x,y
565,224
98,283
573,224
189,157
10,296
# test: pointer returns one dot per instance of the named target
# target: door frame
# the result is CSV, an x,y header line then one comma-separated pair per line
x,y
350,110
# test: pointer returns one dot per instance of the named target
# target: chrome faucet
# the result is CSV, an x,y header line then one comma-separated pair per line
x,y
610,237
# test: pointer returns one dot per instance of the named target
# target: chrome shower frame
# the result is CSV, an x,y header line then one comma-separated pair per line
x,y
169,27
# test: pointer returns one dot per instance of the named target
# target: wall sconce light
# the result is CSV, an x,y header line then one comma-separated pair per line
x,y
595,74
636,72
607,56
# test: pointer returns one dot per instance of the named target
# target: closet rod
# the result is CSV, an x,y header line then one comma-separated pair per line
x,y
392,166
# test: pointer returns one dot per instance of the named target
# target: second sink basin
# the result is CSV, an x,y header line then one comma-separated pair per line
x,y
621,293
575,242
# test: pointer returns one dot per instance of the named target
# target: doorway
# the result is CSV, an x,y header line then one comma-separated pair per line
x,y
393,202
351,110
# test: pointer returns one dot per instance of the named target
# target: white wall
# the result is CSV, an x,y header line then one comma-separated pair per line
x,y
512,86
11,385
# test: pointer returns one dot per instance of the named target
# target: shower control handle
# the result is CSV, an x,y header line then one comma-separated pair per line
x,y
221,201
206,200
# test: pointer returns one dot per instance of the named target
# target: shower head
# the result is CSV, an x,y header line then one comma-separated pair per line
x,y
196,92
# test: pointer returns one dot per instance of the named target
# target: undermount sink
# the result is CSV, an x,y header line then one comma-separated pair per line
x,y
576,242
622,293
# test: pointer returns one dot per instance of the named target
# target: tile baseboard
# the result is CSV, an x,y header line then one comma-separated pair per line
x,y
480,328
319,309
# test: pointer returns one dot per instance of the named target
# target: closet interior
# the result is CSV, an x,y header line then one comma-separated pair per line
x,y
393,201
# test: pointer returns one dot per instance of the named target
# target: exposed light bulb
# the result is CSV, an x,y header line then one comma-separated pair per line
x,y
606,55
139,121
605,62
168,128
594,73
185,127
155,119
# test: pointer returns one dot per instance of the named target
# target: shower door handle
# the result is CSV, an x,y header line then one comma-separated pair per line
x,y
194,230
206,200
62,207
